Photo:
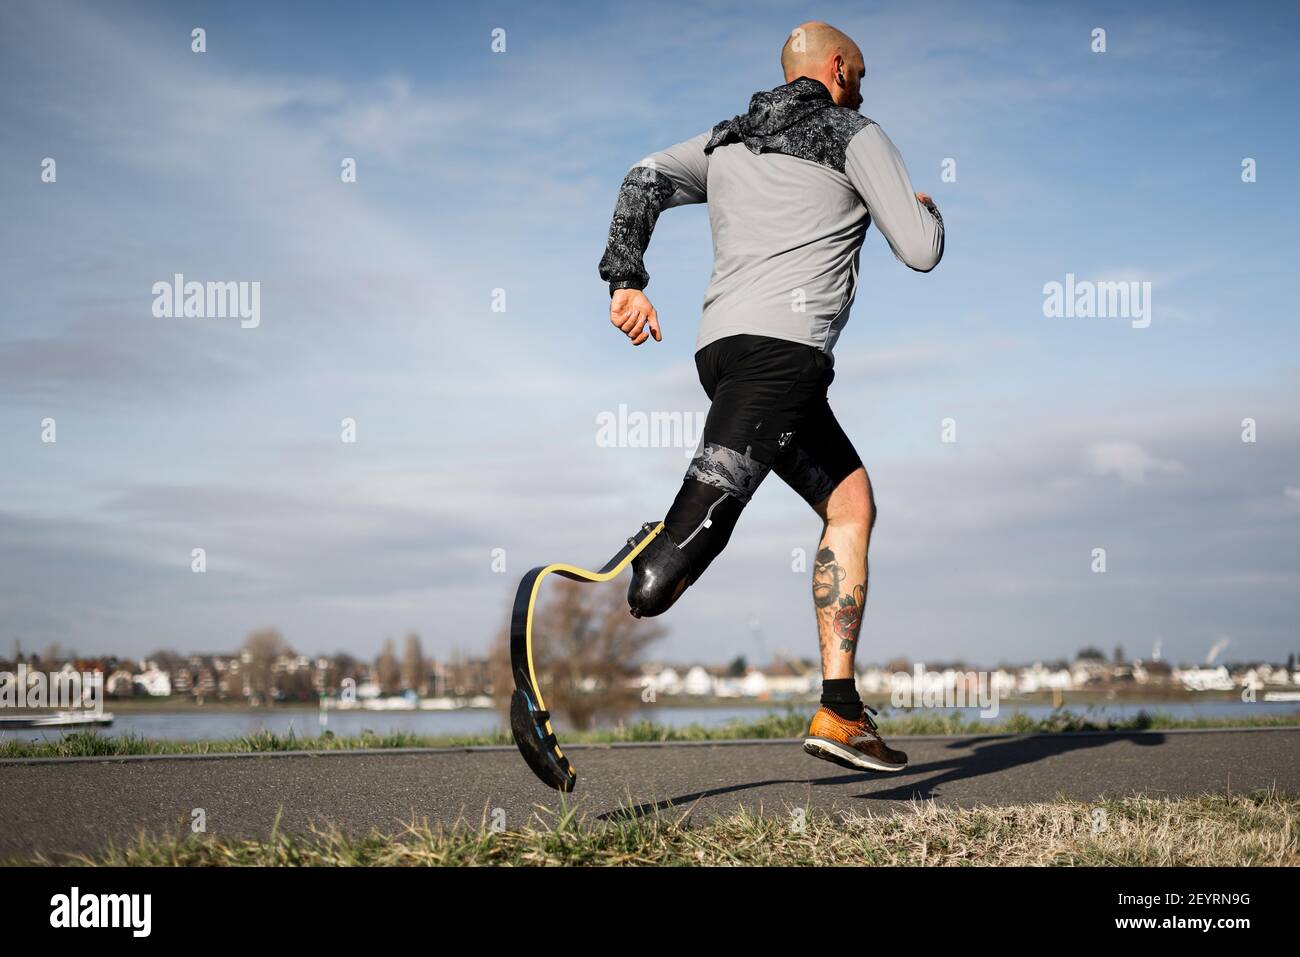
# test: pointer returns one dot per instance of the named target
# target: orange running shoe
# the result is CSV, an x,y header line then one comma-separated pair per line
x,y
852,744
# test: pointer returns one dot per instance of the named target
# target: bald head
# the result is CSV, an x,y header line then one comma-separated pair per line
x,y
819,51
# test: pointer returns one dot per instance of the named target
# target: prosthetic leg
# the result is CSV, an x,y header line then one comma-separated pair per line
x,y
530,722
665,557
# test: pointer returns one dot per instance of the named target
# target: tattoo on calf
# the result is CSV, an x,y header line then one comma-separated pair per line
x,y
827,575
848,618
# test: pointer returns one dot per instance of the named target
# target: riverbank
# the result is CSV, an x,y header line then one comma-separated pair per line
x,y
1083,697
787,724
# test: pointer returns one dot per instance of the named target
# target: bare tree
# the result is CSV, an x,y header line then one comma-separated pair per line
x,y
413,674
586,647
296,685
341,666
262,648
387,671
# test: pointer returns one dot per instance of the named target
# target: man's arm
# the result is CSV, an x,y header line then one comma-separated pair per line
x,y
672,177
913,227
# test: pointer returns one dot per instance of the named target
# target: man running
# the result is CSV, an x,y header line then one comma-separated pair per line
x,y
792,186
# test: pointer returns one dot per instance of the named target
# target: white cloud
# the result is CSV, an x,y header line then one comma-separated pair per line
x,y
1128,461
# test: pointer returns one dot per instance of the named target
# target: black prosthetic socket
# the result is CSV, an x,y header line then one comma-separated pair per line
x,y
659,575
701,521
841,696
696,530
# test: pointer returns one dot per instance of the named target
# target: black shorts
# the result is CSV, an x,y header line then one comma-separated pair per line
x,y
769,413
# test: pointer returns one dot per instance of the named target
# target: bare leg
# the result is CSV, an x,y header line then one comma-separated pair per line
x,y
840,572
839,594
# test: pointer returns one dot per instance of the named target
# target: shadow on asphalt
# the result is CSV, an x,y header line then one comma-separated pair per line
x,y
993,755
990,756
683,801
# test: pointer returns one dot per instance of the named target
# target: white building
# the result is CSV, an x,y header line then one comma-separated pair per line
x,y
697,682
752,684
1204,679
664,681
154,682
1038,678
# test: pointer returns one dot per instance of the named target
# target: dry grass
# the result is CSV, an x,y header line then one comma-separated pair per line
x,y
1256,829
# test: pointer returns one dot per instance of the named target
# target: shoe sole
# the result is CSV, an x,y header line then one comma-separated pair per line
x,y
846,757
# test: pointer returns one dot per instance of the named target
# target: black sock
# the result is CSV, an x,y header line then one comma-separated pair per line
x,y
841,696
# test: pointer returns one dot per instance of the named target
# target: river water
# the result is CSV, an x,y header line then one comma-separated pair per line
x,y
210,725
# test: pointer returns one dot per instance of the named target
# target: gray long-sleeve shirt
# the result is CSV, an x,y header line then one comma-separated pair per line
x,y
792,187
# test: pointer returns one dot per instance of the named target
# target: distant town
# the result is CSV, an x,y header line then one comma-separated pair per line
x,y
266,671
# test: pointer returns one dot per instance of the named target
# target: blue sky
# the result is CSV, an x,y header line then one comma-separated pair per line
x,y
476,429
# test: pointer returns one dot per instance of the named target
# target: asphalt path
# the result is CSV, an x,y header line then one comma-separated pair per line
x,y
62,806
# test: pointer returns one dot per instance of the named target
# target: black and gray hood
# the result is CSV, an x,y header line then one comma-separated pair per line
x,y
799,119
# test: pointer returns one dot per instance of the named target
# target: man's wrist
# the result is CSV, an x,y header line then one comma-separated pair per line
x,y
616,284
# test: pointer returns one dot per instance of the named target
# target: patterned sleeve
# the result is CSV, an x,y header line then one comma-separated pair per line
x,y
672,177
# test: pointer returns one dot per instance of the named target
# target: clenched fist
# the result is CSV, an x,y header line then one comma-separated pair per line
x,y
630,310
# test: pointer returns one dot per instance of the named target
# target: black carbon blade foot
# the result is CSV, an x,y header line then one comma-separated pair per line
x,y
530,723
538,746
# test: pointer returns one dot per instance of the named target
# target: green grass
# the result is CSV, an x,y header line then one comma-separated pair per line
x,y
1262,828
789,723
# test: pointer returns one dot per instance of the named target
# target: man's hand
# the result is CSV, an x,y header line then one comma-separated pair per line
x,y
631,311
